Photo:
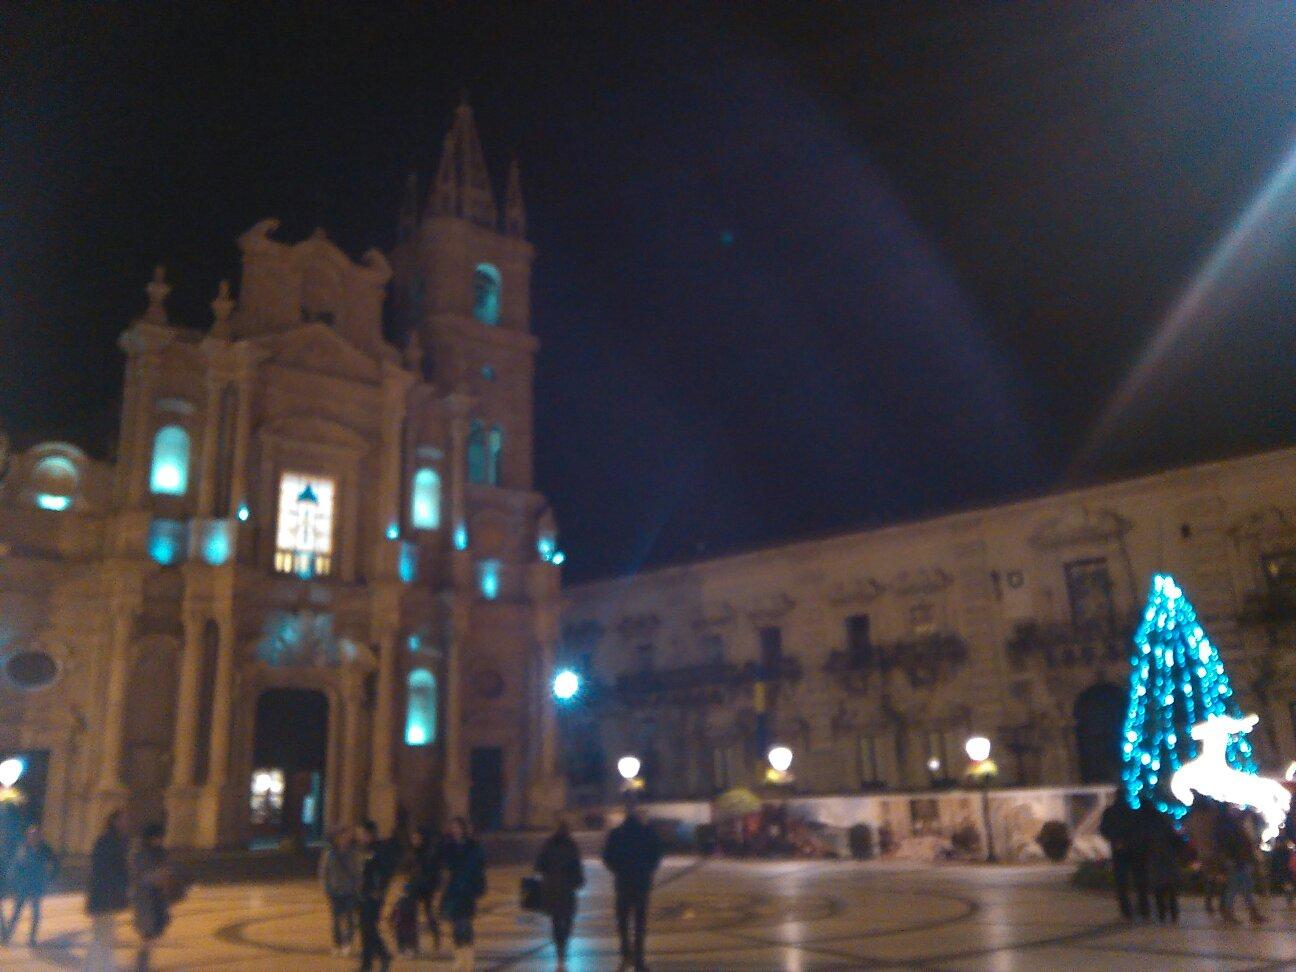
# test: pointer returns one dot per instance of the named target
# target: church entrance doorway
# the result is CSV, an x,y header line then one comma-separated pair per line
x,y
289,756
1099,717
486,796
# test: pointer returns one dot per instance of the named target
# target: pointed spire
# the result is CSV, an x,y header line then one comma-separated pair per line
x,y
462,186
408,220
514,210
222,307
157,291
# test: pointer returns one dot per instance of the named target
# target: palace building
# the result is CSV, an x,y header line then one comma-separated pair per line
x,y
316,584
875,655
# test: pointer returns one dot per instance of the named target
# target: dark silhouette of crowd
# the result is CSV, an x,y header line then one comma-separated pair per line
x,y
1216,843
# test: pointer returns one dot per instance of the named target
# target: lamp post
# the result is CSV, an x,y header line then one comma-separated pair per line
x,y
983,771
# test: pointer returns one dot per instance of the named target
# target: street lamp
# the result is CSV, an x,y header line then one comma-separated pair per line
x,y
629,767
566,685
982,772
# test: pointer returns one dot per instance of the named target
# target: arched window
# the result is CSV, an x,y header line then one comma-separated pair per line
x,y
55,479
486,294
478,468
170,471
421,709
425,500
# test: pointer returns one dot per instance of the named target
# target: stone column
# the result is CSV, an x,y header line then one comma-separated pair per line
x,y
110,792
181,793
459,406
138,465
211,428
396,385
385,610
545,793
216,812
352,787
455,783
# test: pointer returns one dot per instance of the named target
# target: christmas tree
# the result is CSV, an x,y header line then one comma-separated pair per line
x,y
1178,680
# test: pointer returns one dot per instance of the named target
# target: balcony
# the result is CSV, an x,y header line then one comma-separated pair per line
x,y
924,660
711,681
1064,645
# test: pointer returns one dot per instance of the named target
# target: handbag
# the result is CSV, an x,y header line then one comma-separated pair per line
x,y
532,894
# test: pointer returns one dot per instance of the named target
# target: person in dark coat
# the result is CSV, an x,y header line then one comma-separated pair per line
x,y
373,889
1166,851
465,863
150,894
1123,829
1238,848
425,877
632,854
30,872
107,891
340,875
559,865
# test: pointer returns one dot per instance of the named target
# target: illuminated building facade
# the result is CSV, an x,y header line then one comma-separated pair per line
x,y
875,655
316,583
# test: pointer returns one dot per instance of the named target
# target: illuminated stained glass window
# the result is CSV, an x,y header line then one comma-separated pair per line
x,y
425,500
486,294
169,473
421,709
304,536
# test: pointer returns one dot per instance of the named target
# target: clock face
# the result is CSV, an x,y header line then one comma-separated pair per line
x,y
489,684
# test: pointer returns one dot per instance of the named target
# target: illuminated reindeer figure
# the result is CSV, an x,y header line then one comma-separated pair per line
x,y
1210,775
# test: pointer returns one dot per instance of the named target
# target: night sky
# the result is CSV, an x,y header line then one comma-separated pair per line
x,y
802,268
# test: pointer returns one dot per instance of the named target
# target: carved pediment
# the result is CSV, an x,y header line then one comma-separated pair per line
x,y
713,614
1270,525
638,627
314,429
858,591
1080,525
318,349
911,583
769,608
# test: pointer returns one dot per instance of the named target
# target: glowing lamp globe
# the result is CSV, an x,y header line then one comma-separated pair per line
x,y
933,765
780,759
565,685
977,748
628,767
10,771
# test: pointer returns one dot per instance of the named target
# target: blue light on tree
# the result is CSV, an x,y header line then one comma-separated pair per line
x,y
1178,680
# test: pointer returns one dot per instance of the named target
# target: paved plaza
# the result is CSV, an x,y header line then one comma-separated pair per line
x,y
795,915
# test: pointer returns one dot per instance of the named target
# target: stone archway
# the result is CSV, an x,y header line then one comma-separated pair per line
x,y
289,764
1099,713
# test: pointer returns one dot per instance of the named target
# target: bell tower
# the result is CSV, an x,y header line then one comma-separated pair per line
x,y
462,282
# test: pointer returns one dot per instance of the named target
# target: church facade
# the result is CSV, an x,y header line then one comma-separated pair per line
x,y
316,584
874,656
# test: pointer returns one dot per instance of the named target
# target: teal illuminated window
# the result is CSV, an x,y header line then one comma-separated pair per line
x,y
167,542
425,500
488,578
216,542
421,708
477,462
170,470
55,480
486,294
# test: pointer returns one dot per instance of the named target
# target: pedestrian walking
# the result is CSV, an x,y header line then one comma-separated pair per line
x,y
1201,824
1166,851
1121,826
107,892
30,872
151,882
632,854
373,889
1237,847
562,873
425,878
339,874
465,863
404,922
